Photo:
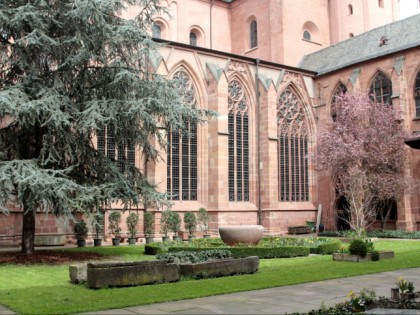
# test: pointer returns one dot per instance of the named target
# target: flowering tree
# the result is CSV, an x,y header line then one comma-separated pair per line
x,y
364,150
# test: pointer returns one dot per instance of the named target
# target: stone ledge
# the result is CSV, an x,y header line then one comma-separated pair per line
x,y
119,274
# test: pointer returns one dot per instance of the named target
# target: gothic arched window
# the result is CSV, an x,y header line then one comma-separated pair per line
x,y
381,89
340,90
156,31
122,154
253,34
417,94
182,175
238,143
292,149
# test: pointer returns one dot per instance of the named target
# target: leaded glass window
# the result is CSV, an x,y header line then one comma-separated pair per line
x,y
253,34
156,31
381,89
238,143
292,149
417,94
122,154
182,173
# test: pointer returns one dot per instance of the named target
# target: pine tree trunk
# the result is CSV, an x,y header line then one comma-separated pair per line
x,y
28,230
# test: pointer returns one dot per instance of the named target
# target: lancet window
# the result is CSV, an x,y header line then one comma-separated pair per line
x,y
182,175
292,149
238,142
417,94
381,89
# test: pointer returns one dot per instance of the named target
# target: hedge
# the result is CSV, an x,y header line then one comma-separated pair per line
x,y
261,252
327,248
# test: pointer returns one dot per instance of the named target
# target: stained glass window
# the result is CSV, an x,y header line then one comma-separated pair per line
x,y
182,172
292,149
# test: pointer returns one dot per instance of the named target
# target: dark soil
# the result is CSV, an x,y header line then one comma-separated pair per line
x,y
51,257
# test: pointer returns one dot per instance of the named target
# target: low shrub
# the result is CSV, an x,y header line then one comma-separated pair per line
x,y
394,234
261,252
194,256
358,247
375,255
327,248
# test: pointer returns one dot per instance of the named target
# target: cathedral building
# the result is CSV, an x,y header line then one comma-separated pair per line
x,y
270,69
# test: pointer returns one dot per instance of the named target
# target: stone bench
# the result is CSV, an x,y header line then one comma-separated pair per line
x,y
221,267
119,274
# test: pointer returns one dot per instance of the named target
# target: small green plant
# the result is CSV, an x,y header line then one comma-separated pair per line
x,y
369,244
404,285
174,222
190,222
114,219
132,221
149,222
375,255
165,222
358,302
194,257
98,224
358,247
203,219
81,230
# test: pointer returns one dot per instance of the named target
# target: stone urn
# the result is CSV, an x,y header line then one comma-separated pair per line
x,y
241,234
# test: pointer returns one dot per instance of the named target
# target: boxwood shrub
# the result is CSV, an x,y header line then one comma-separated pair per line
x,y
327,248
261,252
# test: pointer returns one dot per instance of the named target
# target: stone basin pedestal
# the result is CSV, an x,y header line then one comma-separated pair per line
x,y
241,234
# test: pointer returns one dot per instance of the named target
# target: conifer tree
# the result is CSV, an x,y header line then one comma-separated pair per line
x,y
68,70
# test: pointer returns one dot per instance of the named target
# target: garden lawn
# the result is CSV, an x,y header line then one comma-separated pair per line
x,y
46,289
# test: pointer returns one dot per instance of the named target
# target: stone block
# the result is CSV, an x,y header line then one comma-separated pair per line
x,y
221,267
131,273
304,229
78,273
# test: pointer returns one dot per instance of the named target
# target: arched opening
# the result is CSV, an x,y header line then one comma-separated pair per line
x,y
350,8
306,35
381,89
156,31
193,39
253,34
417,94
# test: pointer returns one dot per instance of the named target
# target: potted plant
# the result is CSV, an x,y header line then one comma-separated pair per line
x,y
164,224
81,231
114,219
132,222
149,221
174,224
204,219
190,223
98,228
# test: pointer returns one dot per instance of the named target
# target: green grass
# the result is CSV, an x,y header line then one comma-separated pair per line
x,y
47,290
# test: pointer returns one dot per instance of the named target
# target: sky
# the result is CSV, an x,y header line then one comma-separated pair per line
x,y
409,7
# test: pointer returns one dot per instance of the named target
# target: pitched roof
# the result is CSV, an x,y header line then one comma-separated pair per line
x,y
381,41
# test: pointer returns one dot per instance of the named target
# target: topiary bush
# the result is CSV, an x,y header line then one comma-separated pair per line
x,y
358,247
375,255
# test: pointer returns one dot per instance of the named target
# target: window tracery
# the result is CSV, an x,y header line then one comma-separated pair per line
x,y
381,89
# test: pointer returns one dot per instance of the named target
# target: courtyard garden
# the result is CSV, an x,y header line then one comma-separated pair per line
x,y
45,288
